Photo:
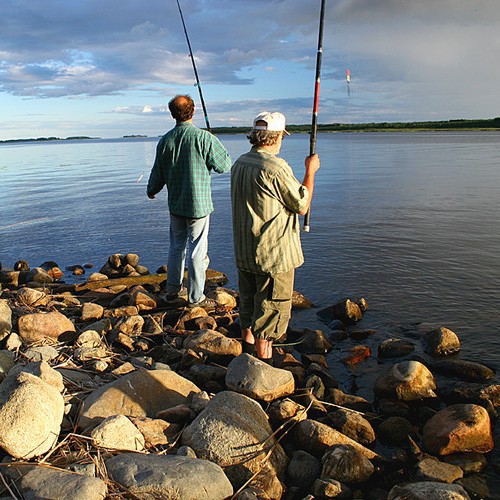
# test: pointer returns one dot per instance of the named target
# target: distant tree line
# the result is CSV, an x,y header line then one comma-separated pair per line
x,y
487,124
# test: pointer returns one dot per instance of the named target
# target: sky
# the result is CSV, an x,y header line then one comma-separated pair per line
x,y
107,68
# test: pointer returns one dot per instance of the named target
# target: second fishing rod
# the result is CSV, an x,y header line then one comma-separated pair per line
x,y
198,84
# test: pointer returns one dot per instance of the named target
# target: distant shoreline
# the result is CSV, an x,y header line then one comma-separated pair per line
x,y
431,126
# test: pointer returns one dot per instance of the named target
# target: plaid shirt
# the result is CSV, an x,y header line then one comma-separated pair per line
x,y
185,158
266,198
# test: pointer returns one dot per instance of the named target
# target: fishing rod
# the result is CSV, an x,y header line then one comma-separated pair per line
x,y
314,125
198,84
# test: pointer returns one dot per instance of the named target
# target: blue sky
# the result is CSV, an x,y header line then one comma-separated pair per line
x,y
107,68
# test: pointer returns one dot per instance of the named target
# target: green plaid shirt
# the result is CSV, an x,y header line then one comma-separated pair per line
x,y
266,198
185,158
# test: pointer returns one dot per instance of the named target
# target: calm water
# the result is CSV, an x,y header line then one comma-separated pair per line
x,y
410,221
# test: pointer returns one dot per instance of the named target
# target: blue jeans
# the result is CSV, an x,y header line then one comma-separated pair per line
x,y
192,234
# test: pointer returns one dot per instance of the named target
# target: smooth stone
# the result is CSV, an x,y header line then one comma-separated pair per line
x,y
234,432
142,393
54,326
37,482
118,433
430,469
426,490
440,342
252,377
469,371
407,381
215,345
346,464
169,476
346,311
394,430
395,348
458,428
303,469
353,425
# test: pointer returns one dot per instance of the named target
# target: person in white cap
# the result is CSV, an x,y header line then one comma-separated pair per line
x,y
266,201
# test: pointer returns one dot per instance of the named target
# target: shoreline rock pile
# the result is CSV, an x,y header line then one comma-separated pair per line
x,y
107,390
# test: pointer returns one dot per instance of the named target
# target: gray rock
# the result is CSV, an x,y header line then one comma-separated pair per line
x,y
31,412
37,482
426,490
394,431
252,377
165,476
233,431
41,353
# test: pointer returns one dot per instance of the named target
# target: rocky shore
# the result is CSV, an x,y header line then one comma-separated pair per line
x,y
109,391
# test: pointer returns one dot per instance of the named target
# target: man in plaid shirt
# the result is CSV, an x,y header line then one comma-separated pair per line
x,y
185,158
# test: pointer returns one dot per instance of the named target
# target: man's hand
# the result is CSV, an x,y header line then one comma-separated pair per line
x,y
312,164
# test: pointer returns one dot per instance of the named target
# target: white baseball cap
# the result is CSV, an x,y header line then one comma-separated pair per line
x,y
275,122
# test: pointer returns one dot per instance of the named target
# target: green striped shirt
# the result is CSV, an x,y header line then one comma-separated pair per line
x,y
266,198
185,158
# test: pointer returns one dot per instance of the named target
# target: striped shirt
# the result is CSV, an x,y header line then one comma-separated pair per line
x,y
266,198
185,158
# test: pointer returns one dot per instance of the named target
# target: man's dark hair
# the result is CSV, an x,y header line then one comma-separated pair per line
x,y
181,107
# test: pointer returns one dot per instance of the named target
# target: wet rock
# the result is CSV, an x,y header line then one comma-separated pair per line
x,y
21,265
252,377
214,345
465,370
430,469
5,318
138,394
353,425
346,311
346,464
458,428
53,326
469,462
52,269
408,381
440,342
394,431
355,355
428,489
35,276
314,341
487,396
31,412
299,301
44,482
118,433
395,348
303,469
168,476
316,437
338,397
233,431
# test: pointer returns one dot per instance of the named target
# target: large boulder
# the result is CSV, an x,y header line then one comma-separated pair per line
x,y
254,378
138,394
53,326
31,413
407,381
233,431
458,428
166,476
